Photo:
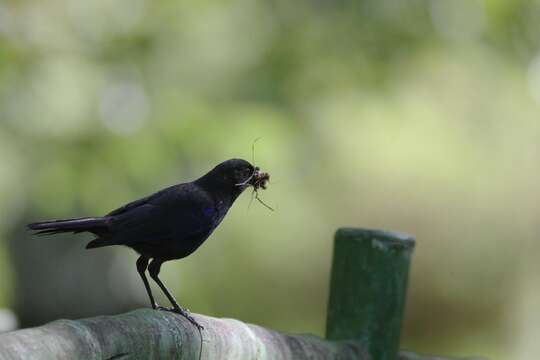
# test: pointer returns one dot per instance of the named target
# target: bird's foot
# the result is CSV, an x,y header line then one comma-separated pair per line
x,y
184,312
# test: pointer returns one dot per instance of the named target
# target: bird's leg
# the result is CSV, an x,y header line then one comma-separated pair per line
x,y
142,264
153,269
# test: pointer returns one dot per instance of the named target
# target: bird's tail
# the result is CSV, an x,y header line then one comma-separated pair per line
x,y
94,225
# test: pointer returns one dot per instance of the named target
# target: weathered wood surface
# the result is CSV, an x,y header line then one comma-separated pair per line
x,y
148,334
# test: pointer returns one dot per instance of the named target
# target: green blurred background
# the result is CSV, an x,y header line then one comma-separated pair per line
x,y
415,116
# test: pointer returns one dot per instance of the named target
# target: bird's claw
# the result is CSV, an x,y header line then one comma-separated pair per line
x,y
184,312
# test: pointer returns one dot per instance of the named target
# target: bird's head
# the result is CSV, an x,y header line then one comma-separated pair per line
x,y
236,175
233,176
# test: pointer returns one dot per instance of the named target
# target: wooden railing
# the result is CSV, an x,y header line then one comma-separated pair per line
x,y
365,311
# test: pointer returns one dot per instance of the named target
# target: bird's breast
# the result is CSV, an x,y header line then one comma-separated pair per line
x,y
208,212
214,214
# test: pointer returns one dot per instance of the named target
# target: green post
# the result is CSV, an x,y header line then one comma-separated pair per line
x,y
368,288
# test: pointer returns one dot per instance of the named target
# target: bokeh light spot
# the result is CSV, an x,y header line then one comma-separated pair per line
x,y
124,107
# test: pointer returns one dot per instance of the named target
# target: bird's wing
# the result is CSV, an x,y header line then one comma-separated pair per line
x,y
139,202
129,206
173,214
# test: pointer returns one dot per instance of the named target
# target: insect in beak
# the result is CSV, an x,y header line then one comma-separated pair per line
x,y
257,180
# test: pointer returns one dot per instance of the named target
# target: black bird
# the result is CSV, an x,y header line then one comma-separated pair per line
x,y
170,224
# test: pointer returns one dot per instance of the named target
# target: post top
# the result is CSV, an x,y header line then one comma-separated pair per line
x,y
390,238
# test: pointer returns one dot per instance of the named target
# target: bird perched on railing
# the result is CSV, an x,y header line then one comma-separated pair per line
x,y
170,224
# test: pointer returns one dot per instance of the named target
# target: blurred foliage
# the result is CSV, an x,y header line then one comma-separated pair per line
x,y
417,116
